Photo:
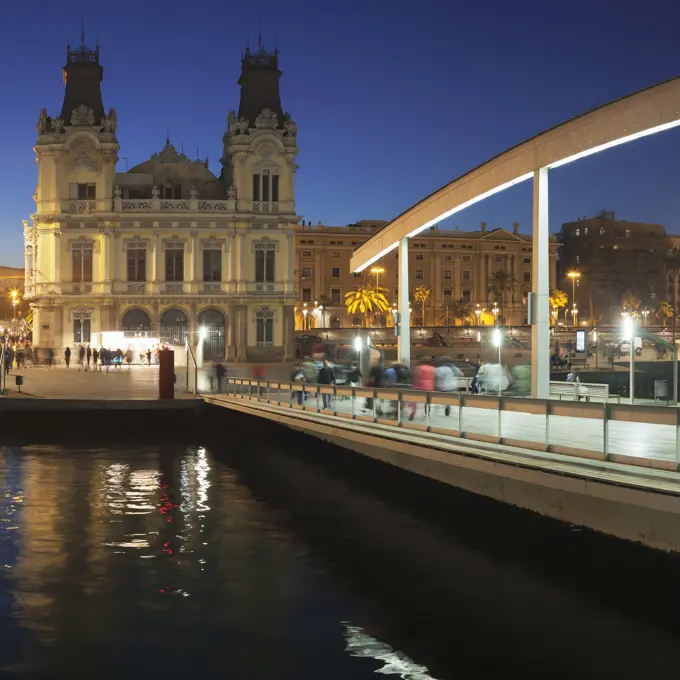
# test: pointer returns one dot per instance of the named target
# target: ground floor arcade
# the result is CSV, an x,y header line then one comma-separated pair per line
x,y
230,329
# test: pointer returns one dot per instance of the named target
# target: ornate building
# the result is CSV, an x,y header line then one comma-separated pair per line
x,y
455,266
166,250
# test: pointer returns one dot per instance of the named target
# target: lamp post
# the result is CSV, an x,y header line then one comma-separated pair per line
x,y
14,295
574,314
497,340
377,271
305,312
478,311
629,334
573,275
495,312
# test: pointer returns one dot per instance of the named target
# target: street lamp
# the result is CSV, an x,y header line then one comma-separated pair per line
x,y
574,314
377,271
478,311
305,311
14,296
573,275
628,327
497,340
495,312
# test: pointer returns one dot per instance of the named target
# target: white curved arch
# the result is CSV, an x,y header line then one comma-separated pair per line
x,y
643,113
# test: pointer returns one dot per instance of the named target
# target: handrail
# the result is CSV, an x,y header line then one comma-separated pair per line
x,y
610,432
190,352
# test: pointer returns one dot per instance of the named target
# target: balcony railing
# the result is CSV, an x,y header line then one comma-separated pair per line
x,y
136,205
173,287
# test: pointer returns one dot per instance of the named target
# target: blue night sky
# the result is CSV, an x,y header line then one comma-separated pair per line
x,y
392,99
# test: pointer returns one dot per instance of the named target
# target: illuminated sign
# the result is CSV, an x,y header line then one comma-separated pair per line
x,y
580,341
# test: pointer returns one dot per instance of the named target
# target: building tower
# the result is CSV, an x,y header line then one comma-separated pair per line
x,y
259,169
76,154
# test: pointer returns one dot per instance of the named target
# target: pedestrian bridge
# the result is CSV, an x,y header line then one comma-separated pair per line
x,y
610,467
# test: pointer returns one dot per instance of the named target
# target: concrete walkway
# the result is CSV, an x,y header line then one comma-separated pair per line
x,y
638,440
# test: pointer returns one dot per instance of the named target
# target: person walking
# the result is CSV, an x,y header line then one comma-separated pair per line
x,y
88,355
148,357
95,359
423,379
67,356
326,377
81,357
299,377
444,381
220,374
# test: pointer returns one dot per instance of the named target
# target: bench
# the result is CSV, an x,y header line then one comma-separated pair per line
x,y
580,390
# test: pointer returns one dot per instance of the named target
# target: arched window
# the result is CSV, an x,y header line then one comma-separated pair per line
x,y
174,326
212,329
136,320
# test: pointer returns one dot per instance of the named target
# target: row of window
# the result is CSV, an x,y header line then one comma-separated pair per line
x,y
308,273
174,265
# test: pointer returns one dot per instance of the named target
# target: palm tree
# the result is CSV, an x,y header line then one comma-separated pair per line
x,y
558,300
366,301
501,282
422,295
458,309
665,310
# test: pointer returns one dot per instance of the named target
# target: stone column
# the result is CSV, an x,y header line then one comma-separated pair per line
x,y
288,318
290,275
193,280
231,332
540,329
233,278
57,261
115,245
241,333
155,262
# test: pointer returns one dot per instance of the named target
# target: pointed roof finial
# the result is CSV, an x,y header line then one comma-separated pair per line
x,y
259,35
82,30
167,135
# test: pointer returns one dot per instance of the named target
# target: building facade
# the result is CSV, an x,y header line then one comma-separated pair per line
x,y
618,262
456,267
166,250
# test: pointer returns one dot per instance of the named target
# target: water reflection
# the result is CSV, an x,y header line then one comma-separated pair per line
x,y
362,645
138,555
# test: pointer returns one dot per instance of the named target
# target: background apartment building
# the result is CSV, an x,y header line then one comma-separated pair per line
x,y
456,266
619,262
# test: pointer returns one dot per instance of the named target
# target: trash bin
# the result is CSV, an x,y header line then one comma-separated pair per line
x,y
661,389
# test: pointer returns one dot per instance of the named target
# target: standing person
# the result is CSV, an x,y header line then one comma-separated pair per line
x,y
148,356
81,357
67,356
95,359
88,355
220,374
326,377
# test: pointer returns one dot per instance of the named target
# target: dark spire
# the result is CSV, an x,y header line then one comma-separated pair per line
x,y
259,83
82,77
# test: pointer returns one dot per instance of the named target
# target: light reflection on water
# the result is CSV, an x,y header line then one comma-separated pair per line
x,y
138,556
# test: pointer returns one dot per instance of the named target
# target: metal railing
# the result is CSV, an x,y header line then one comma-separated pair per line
x,y
636,435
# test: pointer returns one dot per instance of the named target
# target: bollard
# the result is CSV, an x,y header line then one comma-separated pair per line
x,y
19,379
166,374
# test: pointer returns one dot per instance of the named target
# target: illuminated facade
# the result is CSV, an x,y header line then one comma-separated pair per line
x,y
166,249
455,266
